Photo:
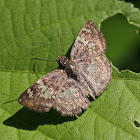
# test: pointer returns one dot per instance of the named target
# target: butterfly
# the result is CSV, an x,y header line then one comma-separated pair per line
x,y
87,73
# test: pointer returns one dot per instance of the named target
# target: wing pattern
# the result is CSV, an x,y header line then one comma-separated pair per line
x,y
90,73
88,53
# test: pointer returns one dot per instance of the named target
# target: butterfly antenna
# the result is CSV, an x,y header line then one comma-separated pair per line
x,y
34,70
10,101
60,42
34,66
42,59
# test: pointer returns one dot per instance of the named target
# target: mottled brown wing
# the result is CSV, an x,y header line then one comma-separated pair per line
x,y
88,53
56,90
89,42
40,97
98,71
71,99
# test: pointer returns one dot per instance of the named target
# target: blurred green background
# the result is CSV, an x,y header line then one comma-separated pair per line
x,y
135,2
123,43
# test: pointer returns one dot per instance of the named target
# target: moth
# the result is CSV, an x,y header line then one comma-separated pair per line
x,y
87,73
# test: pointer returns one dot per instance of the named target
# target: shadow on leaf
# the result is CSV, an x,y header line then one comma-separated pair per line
x,y
29,120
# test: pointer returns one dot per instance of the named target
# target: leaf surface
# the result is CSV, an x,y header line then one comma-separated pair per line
x,y
28,30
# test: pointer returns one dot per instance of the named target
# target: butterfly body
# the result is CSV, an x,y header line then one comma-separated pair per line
x,y
71,69
87,73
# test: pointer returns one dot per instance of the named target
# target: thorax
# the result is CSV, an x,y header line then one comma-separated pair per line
x,y
69,66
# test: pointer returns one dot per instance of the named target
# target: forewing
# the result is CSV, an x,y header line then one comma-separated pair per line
x,y
71,99
88,53
90,42
40,97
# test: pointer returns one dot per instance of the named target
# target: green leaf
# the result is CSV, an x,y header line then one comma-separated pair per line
x,y
28,30
122,41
